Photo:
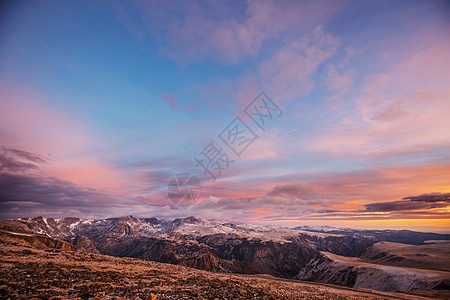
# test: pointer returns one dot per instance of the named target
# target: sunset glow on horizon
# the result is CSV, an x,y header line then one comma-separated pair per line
x,y
102,103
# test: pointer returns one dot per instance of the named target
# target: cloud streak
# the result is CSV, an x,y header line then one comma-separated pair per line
x,y
13,160
420,202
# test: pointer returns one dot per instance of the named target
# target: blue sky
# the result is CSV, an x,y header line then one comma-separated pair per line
x,y
117,97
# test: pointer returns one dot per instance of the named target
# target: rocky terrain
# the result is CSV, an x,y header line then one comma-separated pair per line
x,y
354,272
44,272
431,255
347,257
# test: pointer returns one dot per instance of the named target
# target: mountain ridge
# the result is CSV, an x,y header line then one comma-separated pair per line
x,y
223,246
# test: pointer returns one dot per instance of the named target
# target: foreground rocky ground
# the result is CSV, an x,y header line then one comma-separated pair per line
x,y
42,272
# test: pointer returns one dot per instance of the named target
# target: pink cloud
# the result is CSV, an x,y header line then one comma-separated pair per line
x,y
86,171
269,145
246,90
28,122
215,94
175,101
223,31
338,82
400,111
287,74
171,99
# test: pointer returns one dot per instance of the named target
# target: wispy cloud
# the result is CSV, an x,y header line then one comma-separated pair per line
x,y
13,160
223,31
399,111
288,74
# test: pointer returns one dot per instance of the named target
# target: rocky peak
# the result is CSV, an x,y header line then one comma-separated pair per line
x,y
188,220
152,221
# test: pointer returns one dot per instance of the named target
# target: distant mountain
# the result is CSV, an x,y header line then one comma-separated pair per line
x,y
396,236
299,252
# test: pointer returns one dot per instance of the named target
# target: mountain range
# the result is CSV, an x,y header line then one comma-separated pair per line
x,y
385,260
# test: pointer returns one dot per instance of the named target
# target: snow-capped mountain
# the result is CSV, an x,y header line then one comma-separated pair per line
x,y
319,254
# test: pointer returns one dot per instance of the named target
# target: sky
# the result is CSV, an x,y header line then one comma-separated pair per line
x,y
287,112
